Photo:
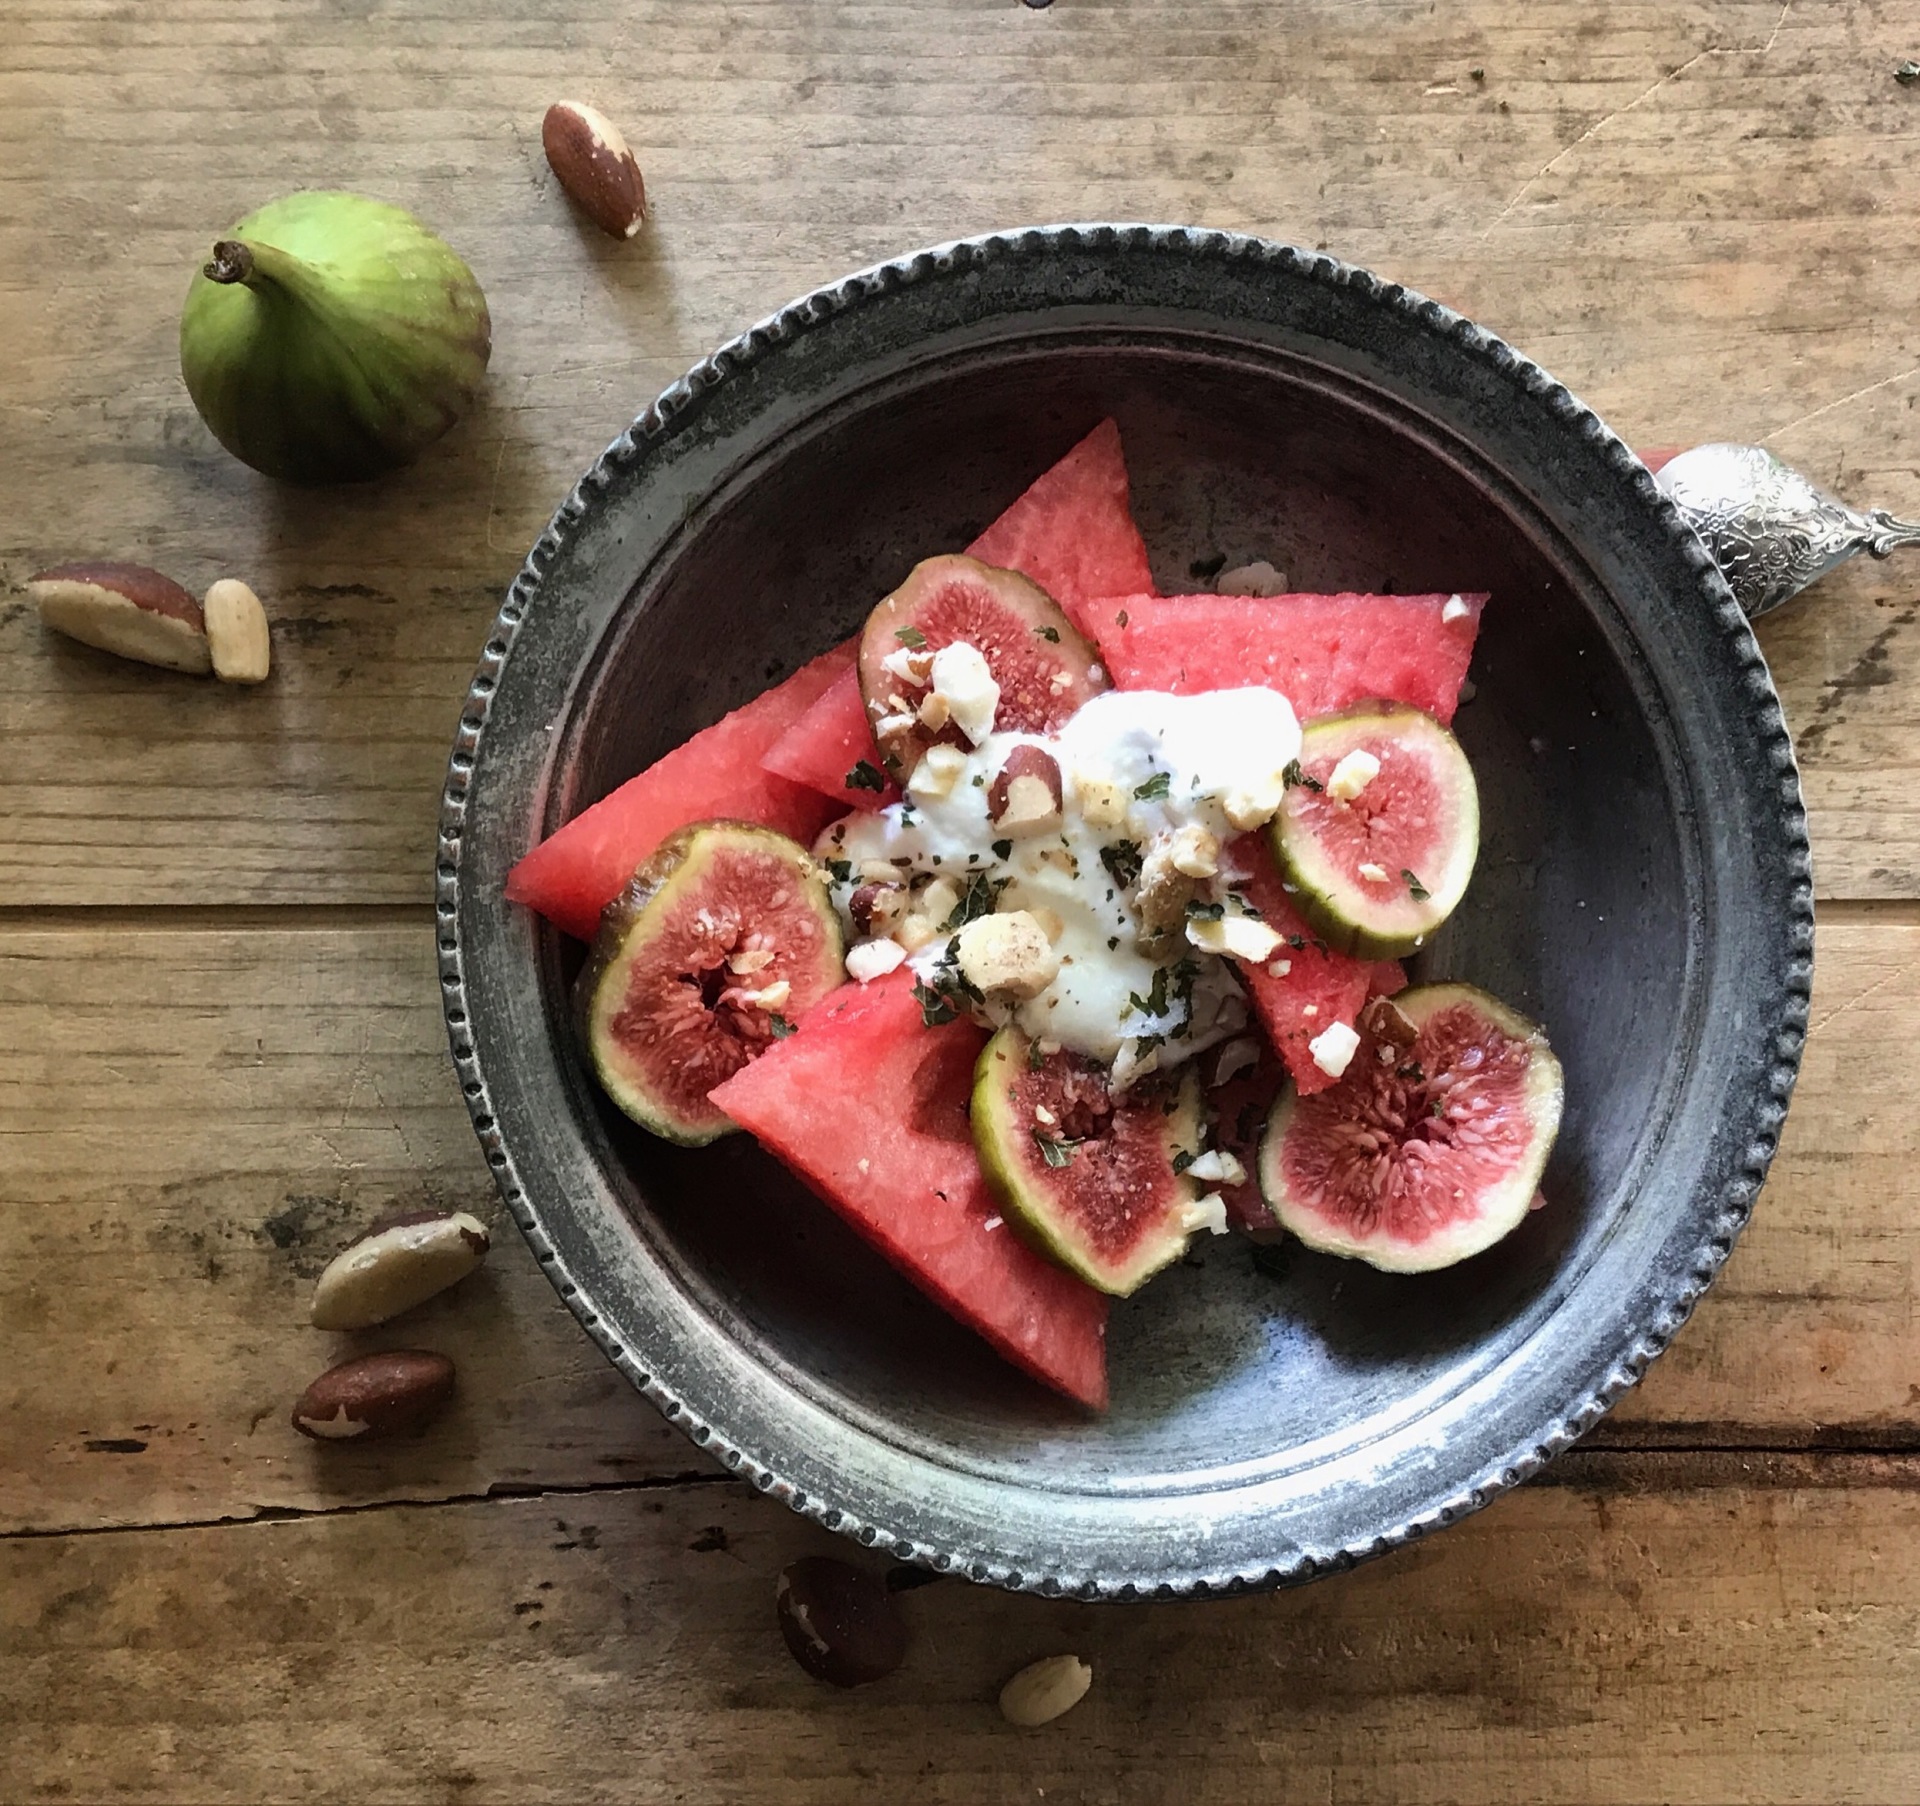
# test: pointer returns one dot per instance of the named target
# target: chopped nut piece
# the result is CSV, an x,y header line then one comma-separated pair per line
x,y
934,713
1374,874
1103,803
1025,798
1256,803
1195,852
1009,954
1040,1692
1256,579
1352,775
745,961
938,772
775,996
875,908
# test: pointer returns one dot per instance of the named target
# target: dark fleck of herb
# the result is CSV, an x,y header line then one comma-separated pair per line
x,y
1415,889
1182,1160
1122,860
907,816
1205,912
935,1007
1478,75
1412,1070
1054,1152
842,870
1155,1001
866,776
781,1027
1120,620
1297,942
1294,775
1049,633
1035,1058
1907,73
1439,1109
979,779
910,637
1113,940
1002,848
1245,908
1154,788
977,900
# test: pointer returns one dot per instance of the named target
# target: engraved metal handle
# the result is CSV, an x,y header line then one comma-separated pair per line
x,y
1771,530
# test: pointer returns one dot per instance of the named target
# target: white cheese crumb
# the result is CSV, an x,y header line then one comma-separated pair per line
x,y
1255,803
1353,774
1280,968
907,664
1209,1212
1374,874
962,679
1130,1064
1194,851
1235,1058
937,773
1239,936
1455,609
874,959
1217,1167
1333,1048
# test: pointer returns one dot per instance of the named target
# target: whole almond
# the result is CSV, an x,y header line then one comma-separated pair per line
x,y
128,609
1043,1690
594,165
402,1260
375,1396
237,633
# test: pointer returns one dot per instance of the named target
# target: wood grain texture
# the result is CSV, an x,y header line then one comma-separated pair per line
x,y
1740,1633
196,1118
1695,216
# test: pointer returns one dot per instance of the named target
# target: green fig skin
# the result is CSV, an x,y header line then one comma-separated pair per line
x,y
332,338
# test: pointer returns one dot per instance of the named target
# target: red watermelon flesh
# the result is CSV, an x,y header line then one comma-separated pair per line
x,y
869,1107
822,748
576,871
1318,987
1321,652
1072,532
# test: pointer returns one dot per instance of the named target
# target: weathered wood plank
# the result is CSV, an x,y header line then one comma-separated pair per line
x,y
1693,216
196,1118
1722,1637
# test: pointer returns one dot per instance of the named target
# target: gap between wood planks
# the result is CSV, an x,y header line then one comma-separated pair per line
x,y
1612,1469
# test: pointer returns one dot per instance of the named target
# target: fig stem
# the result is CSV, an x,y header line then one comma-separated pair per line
x,y
232,262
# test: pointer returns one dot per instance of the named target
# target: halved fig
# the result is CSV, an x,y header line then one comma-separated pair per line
x,y
1044,669
1378,836
1431,1147
1093,1180
718,946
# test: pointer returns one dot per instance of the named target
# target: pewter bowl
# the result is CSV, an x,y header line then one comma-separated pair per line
x,y
1643,890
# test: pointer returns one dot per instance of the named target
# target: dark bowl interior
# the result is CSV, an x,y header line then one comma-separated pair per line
x,y
1328,1408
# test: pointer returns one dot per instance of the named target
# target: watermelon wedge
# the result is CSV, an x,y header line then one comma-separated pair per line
x,y
1318,986
823,748
869,1107
1321,652
575,872
1072,532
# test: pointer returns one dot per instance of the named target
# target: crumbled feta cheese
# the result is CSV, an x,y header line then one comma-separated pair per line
x,y
938,771
889,725
1374,874
1007,954
874,959
1235,1058
1239,936
1333,1048
1455,609
1251,805
1280,968
963,680
1130,1064
1353,774
1041,1114
907,664
1217,1167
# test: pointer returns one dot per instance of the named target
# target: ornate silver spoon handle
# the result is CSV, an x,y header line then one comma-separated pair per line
x,y
1770,529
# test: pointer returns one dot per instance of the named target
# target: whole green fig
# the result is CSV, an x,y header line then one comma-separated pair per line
x,y
332,338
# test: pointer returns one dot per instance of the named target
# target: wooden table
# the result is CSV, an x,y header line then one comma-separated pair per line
x,y
220,1048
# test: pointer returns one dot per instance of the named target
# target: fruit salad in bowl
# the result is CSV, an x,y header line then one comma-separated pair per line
x,y
1098,895
1124,911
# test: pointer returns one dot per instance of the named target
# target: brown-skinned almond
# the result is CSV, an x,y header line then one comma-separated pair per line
x,y
375,1396
594,166
127,609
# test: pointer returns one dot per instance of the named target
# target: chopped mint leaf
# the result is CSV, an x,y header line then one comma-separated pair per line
x,y
1049,633
841,870
1154,788
1205,912
1415,889
1122,860
1054,1152
1035,1058
866,776
781,1027
910,637
1294,775
978,899
1002,848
